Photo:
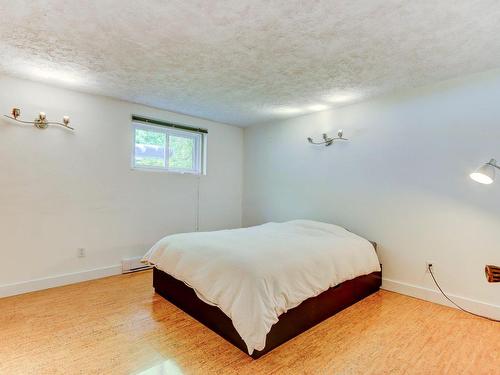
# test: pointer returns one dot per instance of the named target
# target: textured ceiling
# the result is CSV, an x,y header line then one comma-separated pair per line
x,y
247,61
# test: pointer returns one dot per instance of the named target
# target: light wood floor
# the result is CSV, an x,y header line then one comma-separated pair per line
x,y
118,325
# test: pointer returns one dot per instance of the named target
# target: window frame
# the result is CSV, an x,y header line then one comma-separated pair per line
x,y
199,150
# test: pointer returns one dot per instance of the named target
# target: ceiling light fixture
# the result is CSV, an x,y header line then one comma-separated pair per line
x,y
485,174
40,122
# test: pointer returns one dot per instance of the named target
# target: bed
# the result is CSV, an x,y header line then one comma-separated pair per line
x,y
260,286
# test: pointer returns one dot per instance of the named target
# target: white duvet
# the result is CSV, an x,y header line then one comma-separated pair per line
x,y
256,274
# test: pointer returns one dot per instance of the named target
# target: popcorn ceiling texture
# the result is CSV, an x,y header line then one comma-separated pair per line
x,y
241,61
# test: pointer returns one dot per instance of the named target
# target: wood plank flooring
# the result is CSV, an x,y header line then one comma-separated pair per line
x,y
117,325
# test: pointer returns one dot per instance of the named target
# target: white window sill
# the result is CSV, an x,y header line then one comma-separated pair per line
x,y
169,171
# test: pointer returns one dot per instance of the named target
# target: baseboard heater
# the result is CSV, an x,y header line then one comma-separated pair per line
x,y
130,265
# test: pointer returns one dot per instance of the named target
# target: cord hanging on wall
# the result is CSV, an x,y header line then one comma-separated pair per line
x,y
40,122
327,141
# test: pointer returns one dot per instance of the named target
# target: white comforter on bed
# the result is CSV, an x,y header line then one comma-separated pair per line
x,y
256,274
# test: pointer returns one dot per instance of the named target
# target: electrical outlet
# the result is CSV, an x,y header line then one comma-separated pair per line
x,y
427,264
81,253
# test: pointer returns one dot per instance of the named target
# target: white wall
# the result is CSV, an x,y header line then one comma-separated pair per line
x,y
401,180
60,190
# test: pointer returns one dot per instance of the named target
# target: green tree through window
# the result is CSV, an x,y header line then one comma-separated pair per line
x,y
181,152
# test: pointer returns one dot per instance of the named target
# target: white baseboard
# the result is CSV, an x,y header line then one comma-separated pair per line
x,y
478,307
59,280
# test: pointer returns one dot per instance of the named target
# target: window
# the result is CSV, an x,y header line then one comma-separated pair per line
x,y
168,148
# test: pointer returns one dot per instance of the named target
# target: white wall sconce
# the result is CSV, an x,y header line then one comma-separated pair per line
x,y
485,174
327,141
40,122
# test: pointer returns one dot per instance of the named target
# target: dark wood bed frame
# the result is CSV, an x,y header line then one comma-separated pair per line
x,y
290,324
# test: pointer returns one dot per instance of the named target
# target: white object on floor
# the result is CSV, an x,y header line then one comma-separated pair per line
x,y
256,274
